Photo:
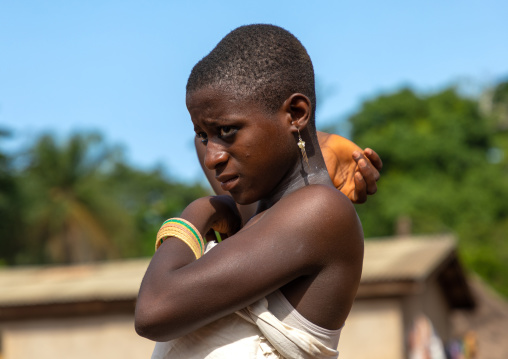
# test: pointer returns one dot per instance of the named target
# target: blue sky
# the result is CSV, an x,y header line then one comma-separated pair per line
x,y
120,67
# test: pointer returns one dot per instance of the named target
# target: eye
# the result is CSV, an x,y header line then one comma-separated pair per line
x,y
203,137
227,131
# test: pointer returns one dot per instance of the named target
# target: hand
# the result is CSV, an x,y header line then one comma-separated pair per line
x,y
367,174
354,172
227,220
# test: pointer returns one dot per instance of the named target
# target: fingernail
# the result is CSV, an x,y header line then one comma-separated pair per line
x,y
362,163
356,154
359,176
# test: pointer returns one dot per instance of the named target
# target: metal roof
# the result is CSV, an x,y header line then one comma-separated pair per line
x,y
386,260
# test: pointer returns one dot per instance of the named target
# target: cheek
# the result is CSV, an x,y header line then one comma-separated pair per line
x,y
268,153
286,147
281,156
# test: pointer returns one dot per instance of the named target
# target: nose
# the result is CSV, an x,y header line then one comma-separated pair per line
x,y
215,156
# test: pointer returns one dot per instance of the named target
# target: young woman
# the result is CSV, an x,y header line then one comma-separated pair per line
x,y
283,282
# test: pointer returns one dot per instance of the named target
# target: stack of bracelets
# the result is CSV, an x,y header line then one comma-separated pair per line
x,y
183,230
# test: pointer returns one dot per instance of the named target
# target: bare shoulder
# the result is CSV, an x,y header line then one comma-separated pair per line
x,y
325,199
327,240
323,218
323,205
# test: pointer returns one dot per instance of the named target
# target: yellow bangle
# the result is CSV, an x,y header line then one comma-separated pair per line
x,y
183,235
183,230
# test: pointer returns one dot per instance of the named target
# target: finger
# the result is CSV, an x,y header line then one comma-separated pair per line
x,y
368,169
370,175
360,189
374,158
357,155
368,172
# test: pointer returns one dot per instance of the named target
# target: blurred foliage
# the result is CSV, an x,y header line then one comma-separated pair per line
x,y
445,170
150,198
10,208
79,201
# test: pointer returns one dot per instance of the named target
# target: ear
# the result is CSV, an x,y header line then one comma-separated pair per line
x,y
298,108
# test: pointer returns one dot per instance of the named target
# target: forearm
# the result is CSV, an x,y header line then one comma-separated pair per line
x,y
167,285
180,294
158,305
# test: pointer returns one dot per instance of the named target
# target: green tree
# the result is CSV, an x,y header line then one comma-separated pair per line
x,y
70,216
494,105
437,173
149,197
10,208
78,200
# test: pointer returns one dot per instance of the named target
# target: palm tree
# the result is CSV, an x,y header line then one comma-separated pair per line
x,y
71,216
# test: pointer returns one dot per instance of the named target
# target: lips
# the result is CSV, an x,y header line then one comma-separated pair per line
x,y
228,182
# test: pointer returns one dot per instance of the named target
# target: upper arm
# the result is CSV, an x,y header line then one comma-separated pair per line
x,y
300,235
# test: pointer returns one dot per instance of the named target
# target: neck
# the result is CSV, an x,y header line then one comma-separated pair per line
x,y
302,174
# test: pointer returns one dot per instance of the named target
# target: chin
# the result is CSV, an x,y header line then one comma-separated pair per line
x,y
243,198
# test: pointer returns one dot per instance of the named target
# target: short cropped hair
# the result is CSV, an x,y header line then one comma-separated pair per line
x,y
259,62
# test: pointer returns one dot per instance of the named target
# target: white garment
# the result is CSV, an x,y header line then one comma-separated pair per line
x,y
269,328
254,333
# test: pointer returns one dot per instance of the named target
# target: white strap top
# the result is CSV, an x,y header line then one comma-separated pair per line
x,y
280,307
267,329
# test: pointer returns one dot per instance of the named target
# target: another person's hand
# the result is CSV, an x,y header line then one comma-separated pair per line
x,y
353,171
369,164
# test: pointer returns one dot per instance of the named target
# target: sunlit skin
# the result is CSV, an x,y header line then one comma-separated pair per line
x,y
237,140
353,171
305,237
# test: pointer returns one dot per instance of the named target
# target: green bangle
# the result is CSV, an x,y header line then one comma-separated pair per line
x,y
190,227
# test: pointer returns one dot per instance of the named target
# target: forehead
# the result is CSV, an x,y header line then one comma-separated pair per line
x,y
209,97
212,102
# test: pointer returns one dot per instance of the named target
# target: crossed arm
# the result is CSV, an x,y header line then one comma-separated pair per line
x,y
300,238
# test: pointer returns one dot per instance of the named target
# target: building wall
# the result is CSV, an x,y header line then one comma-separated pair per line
x,y
374,330
431,303
111,337
437,309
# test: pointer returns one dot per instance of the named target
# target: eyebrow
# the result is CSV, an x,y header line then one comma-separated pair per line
x,y
216,121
